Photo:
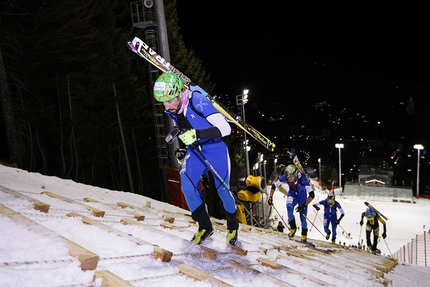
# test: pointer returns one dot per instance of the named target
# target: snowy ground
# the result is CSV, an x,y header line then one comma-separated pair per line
x,y
405,220
31,258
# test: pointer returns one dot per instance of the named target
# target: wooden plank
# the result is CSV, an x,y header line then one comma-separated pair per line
x,y
269,263
38,205
355,263
137,216
248,269
88,259
95,211
109,279
207,252
199,275
316,272
304,275
159,253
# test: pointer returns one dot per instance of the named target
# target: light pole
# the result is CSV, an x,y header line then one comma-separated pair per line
x,y
319,171
339,146
241,100
418,147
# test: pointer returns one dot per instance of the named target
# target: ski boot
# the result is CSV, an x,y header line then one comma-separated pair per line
x,y
231,237
201,235
205,225
333,240
327,236
233,227
304,235
293,228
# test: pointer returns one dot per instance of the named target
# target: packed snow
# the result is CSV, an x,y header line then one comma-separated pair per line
x,y
31,257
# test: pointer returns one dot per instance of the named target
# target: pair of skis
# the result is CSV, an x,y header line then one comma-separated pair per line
x,y
144,51
375,210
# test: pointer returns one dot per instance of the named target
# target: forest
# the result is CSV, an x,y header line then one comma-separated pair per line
x,y
76,103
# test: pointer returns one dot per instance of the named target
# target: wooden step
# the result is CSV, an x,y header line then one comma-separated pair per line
x,y
95,211
159,253
199,275
88,259
38,205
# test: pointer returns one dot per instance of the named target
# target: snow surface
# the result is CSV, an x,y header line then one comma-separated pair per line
x,y
31,258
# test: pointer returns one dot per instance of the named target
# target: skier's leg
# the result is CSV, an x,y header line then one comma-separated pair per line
x,y
205,225
369,243
333,228
304,223
326,229
220,161
375,239
190,186
291,202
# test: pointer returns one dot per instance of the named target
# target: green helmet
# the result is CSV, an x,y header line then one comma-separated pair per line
x,y
291,170
167,87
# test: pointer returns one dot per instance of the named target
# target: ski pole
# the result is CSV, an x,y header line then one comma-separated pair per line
x,y
361,228
388,248
221,179
312,224
349,234
314,220
280,217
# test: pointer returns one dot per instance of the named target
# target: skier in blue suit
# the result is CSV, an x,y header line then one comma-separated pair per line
x,y
204,128
330,215
300,193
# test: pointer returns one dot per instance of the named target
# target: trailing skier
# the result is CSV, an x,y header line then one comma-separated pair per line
x,y
330,215
202,149
372,224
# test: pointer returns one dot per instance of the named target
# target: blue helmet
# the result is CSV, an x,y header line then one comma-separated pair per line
x,y
370,213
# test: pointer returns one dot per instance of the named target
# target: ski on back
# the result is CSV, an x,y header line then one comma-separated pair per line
x,y
144,51
375,210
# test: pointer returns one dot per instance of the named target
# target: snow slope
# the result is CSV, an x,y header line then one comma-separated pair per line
x,y
137,241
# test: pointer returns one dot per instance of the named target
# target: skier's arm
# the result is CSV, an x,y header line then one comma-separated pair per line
x,y
220,128
362,216
308,187
384,234
278,183
316,205
311,196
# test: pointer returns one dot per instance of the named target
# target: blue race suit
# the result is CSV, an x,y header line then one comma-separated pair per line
x,y
215,151
330,216
297,195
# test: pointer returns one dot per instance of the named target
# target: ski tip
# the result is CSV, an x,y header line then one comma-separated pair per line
x,y
131,46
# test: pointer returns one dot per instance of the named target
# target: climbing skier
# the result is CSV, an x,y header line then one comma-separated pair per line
x,y
204,128
300,193
372,224
330,215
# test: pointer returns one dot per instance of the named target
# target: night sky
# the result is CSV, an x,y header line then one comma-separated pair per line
x,y
309,53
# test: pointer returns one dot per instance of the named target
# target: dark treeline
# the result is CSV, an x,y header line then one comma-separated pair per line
x,y
76,103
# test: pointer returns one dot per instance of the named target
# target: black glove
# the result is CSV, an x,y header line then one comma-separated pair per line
x,y
384,235
270,201
300,208
316,207
361,222
338,221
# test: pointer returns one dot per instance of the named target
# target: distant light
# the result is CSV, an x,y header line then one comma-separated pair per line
x,y
418,146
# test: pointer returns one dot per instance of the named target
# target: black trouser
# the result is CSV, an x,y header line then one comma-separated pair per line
x,y
375,238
